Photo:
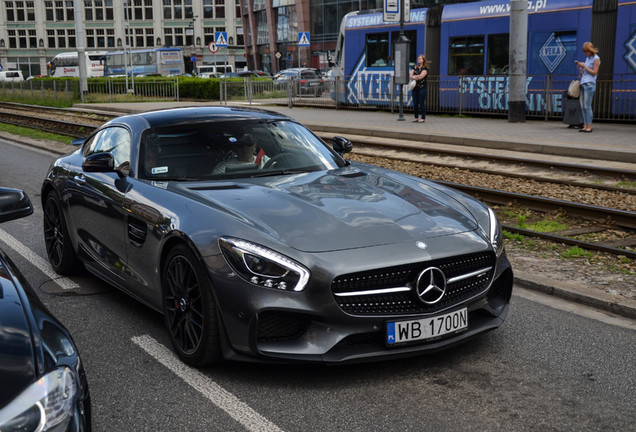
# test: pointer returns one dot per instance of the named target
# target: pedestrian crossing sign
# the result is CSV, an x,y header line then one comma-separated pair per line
x,y
303,39
220,38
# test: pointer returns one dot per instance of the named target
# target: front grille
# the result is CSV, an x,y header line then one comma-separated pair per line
x,y
371,284
279,326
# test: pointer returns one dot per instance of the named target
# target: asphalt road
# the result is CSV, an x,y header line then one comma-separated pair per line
x,y
546,369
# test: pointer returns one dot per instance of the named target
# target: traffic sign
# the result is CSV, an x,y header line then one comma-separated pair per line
x,y
213,47
278,55
221,39
303,39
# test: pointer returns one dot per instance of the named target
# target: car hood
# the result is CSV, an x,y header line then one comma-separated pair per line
x,y
17,358
342,209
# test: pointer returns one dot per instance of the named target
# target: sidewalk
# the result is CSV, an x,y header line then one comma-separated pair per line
x,y
610,145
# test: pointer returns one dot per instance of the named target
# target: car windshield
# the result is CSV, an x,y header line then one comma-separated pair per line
x,y
233,149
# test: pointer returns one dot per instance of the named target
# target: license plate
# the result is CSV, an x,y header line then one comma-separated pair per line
x,y
398,332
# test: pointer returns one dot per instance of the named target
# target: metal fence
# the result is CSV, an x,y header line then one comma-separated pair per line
x,y
111,90
614,100
40,90
140,89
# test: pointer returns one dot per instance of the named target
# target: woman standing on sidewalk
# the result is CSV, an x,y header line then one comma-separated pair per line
x,y
589,70
419,74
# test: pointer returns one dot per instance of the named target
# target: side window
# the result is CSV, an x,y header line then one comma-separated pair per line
x,y
498,54
466,55
114,140
377,49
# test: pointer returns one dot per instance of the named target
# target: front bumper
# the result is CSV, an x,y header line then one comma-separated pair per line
x,y
266,325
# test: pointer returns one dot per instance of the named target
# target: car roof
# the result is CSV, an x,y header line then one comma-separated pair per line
x,y
188,115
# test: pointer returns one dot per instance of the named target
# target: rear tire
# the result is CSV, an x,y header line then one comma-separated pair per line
x,y
189,308
59,248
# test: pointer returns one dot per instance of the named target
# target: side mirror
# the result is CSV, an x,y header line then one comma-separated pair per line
x,y
341,145
14,204
78,142
99,162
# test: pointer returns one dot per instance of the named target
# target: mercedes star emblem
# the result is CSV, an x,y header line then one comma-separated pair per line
x,y
431,285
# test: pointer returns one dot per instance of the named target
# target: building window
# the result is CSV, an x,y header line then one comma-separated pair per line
x,y
177,9
143,37
59,10
98,10
259,5
61,38
176,36
20,11
237,3
208,8
100,38
219,8
33,39
262,36
140,10
286,24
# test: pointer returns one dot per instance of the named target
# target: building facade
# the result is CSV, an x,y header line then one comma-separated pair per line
x,y
272,28
33,32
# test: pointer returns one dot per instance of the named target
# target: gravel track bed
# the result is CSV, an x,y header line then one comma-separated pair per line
x,y
610,199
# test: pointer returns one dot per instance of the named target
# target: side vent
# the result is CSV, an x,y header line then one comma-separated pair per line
x,y
137,232
353,174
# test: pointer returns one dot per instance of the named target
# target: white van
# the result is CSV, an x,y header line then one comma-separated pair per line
x,y
213,71
11,75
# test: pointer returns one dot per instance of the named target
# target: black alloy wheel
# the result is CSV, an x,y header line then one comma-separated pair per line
x,y
189,308
56,238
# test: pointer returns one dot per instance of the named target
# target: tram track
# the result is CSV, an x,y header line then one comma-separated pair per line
x,y
78,124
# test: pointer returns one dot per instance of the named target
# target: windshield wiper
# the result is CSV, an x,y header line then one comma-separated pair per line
x,y
280,172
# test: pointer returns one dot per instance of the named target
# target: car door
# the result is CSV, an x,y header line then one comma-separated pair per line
x,y
96,204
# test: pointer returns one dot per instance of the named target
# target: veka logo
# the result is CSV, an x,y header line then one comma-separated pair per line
x,y
552,53
630,56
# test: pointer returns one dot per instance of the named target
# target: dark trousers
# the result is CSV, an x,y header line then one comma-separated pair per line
x,y
419,102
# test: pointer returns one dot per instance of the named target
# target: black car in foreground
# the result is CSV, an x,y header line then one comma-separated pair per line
x,y
257,241
43,386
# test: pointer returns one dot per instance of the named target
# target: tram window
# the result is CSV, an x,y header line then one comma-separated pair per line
x,y
377,48
466,55
498,47
411,35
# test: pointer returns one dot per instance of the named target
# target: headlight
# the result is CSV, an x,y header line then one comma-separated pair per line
x,y
263,267
46,405
495,235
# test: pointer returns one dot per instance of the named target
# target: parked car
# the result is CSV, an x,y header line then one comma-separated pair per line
x,y
300,81
305,257
11,76
44,387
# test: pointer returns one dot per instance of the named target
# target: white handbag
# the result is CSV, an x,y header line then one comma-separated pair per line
x,y
411,85
574,89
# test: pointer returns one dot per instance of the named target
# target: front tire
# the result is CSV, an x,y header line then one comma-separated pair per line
x,y
59,248
189,308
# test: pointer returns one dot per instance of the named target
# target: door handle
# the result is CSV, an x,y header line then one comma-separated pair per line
x,y
80,179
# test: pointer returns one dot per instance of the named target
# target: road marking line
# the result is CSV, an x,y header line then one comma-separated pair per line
x,y
64,282
239,411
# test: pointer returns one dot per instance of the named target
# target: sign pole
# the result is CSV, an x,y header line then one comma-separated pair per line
x,y
401,114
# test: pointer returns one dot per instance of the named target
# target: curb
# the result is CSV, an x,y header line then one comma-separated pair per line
x,y
593,297
509,145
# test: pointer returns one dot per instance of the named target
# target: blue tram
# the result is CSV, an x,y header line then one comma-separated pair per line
x,y
468,47
623,89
